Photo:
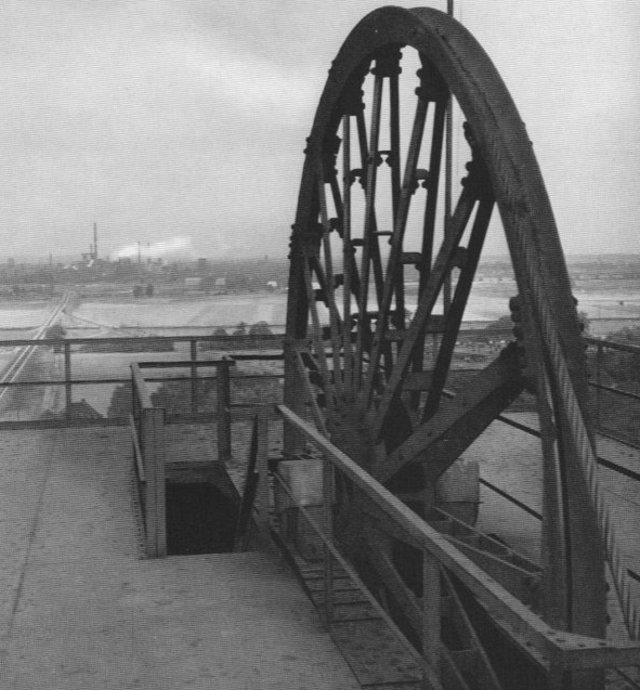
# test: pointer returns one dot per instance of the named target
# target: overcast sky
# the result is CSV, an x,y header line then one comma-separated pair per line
x,y
184,121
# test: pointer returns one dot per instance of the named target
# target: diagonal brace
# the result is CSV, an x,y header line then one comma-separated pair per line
x,y
443,438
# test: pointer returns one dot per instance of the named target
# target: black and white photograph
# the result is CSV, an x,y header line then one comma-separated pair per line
x,y
319,345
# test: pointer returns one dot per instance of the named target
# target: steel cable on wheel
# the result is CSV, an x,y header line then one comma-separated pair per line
x,y
585,451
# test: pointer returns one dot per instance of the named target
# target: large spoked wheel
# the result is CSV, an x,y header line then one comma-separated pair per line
x,y
381,274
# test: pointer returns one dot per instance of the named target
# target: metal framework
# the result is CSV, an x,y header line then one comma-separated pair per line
x,y
372,328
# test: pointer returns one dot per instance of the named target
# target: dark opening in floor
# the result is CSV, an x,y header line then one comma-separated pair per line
x,y
200,519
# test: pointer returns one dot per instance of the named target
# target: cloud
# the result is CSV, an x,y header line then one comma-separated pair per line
x,y
158,118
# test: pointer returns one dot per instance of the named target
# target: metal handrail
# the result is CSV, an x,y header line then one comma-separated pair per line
x,y
617,391
198,365
612,344
565,651
351,572
275,338
68,347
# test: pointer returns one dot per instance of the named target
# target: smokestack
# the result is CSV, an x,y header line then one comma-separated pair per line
x,y
95,241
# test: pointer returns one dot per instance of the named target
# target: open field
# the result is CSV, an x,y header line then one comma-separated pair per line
x,y
489,300
18,315
610,306
158,312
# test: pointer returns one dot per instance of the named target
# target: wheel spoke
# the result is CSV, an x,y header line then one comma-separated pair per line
x,y
394,263
317,339
303,373
432,184
363,144
426,303
334,316
369,226
394,137
395,163
348,262
456,309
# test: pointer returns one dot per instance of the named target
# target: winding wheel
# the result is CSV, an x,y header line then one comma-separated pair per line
x,y
382,268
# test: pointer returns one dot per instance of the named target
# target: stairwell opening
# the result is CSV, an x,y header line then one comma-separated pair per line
x,y
200,518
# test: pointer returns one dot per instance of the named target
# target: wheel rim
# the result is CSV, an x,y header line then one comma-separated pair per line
x,y
354,356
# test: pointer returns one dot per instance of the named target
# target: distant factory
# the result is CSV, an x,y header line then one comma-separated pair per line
x,y
91,256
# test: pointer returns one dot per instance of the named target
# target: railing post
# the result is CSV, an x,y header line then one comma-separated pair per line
x,y
194,377
135,407
431,604
262,467
294,396
67,381
146,427
598,382
135,411
155,489
224,410
327,514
